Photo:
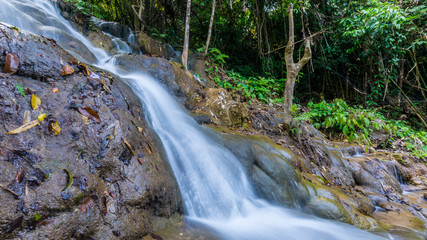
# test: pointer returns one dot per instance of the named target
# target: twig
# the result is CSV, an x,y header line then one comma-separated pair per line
x,y
10,191
294,43
5,33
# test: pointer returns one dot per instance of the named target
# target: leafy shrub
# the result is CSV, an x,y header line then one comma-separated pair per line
x,y
357,124
89,9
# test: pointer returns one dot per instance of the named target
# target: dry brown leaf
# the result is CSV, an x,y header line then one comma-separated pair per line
x,y
88,202
67,70
55,90
129,146
27,117
35,102
85,69
20,176
106,88
149,148
12,63
131,150
90,113
24,127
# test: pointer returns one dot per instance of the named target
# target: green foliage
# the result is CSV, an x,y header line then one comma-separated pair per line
x,y
89,8
20,90
263,89
357,124
380,32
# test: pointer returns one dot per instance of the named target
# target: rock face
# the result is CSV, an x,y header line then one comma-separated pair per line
x,y
85,182
271,169
215,103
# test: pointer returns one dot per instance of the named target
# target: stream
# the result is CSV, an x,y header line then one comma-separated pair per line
x,y
215,188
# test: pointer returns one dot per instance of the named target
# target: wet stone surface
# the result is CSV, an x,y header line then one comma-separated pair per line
x,y
82,182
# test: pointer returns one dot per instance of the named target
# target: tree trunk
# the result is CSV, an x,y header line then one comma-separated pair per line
x,y
210,28
187,35
401,76
292,68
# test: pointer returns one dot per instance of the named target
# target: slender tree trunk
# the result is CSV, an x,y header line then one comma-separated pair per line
x,y
401,76
187,35
210,28
292,68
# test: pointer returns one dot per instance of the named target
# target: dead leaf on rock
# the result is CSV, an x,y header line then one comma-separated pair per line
x,y
27,117
12,63
85,119
70,178
35,102
67,70
24,127
20,176
55,127
90,113
88,202
85,69
41,117
131,150
149,148
15,224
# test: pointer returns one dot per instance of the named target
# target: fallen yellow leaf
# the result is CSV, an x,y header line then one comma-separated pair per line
x,y
41,117
85,120
56,128
35,102
24,127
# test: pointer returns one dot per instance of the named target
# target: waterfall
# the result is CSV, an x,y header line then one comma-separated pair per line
x,y
215,189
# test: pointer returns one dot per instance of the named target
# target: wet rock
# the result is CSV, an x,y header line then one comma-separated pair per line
x,y
128,196
154,47
223,109
39,58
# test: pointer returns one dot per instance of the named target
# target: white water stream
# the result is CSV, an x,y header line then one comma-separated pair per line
x,y
215,188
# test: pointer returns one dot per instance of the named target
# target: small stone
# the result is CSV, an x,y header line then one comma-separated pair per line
x,y
65,195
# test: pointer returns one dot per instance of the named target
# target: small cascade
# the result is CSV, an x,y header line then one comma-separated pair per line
x,y
398,176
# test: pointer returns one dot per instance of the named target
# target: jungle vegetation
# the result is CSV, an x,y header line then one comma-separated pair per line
x,y
367,65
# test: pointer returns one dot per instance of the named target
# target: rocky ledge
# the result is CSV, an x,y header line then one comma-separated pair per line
x,y
77,159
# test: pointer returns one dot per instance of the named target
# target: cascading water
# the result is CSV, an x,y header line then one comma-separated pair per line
x,y
215,188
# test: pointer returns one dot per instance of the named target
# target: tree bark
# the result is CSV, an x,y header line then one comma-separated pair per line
x,y
186,35
210,28
401,76
292,68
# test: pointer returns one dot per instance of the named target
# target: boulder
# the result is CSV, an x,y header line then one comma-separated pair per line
x,y
101,176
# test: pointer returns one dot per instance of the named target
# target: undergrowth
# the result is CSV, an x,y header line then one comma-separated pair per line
x,y
264,89
89,9
358,124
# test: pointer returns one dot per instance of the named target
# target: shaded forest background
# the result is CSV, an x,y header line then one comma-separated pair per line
x,y
370,54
